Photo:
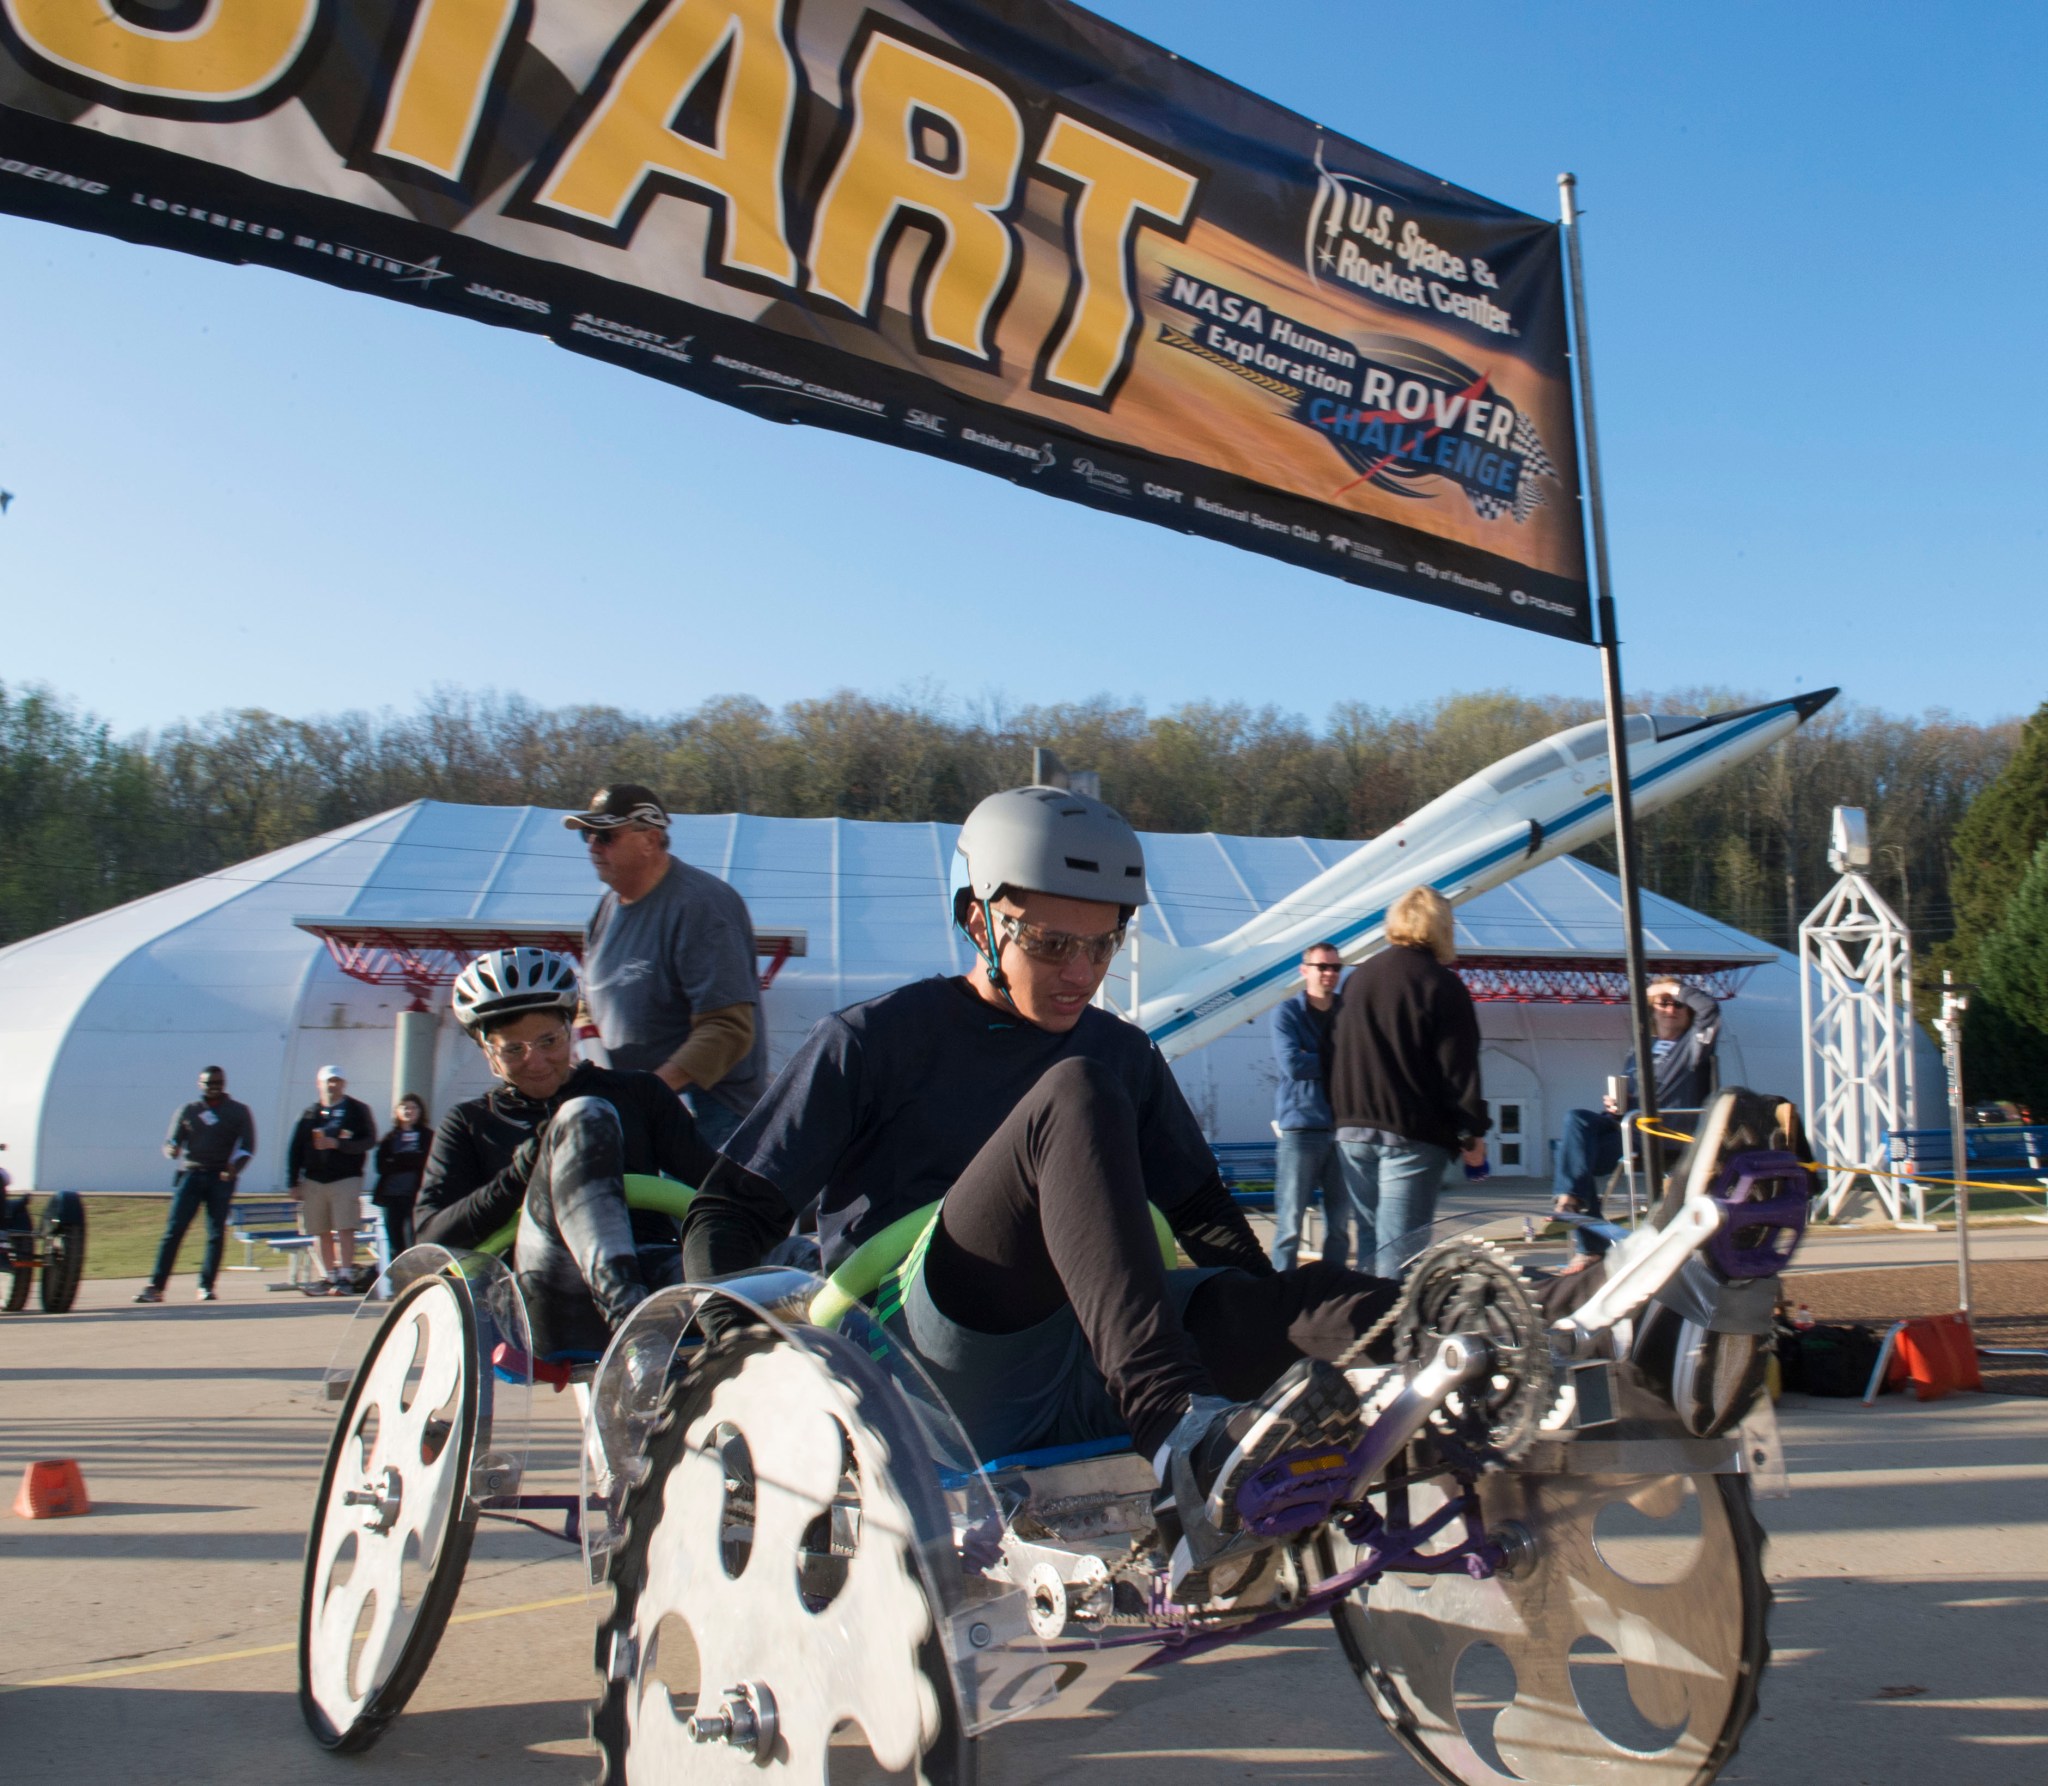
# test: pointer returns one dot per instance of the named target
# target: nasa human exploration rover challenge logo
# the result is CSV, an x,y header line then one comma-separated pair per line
x,y
1399,412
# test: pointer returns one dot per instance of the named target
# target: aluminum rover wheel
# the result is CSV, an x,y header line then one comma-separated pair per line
x,y
394,1519
779,1586
1625,1645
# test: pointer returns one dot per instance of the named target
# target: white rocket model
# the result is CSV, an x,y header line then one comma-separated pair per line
x,y
1543,801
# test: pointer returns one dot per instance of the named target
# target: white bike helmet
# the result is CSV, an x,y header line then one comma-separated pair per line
x,y
510,983
1044,840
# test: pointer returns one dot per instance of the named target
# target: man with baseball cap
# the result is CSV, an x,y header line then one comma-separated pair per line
x,y
323,1169
669,974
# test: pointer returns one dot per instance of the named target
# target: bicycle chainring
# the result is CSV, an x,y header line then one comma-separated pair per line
x,y
1470,1287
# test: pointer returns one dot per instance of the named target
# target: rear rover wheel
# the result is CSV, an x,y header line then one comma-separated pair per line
x,y
1625,1646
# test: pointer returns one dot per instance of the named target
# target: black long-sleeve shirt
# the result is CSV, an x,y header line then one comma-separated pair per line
x,y
1407,1059
887,1102
354,1131
485,1148
207,1133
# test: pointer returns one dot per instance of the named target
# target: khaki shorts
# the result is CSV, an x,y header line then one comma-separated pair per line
x,y
335,1208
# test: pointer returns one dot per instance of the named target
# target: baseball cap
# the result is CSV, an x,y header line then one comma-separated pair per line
x,y
329,1073
623,803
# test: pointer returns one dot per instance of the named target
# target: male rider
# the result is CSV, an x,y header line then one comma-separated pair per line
x,y
1038,1301
551,1146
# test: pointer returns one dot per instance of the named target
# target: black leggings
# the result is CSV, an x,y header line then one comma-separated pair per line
x,y
1052,1211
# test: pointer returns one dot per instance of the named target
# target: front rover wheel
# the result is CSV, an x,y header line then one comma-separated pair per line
x,y
785,1563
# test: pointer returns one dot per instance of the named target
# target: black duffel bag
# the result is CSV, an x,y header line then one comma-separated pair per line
x,y
1832,1358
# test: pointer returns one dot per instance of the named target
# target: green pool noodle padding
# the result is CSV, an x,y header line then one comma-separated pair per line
x,y
878,1255
643,1191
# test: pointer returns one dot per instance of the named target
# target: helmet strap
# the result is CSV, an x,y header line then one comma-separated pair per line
x,y
991,953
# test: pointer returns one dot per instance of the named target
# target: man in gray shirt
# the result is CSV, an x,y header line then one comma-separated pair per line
x,y
669,974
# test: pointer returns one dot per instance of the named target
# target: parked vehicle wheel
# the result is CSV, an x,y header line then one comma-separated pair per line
x,y
63,1231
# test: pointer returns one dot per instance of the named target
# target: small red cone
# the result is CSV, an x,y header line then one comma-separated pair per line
x,y
52,1489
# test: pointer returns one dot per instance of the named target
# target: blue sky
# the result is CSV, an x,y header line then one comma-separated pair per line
x,y
1816,264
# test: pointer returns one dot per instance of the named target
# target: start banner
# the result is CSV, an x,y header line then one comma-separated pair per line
x,y
1007,233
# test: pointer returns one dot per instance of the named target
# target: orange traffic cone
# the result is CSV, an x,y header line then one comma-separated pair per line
x,y
52,1489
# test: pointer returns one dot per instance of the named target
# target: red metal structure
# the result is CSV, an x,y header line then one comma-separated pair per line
x,y
425,955
1587,979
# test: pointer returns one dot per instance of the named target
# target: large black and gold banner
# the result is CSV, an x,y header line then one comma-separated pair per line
x,y
1007,233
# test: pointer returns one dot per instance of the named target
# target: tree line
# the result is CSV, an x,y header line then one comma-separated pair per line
x,y
91,819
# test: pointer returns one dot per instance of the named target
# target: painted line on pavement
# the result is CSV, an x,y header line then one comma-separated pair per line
x,y
273,1649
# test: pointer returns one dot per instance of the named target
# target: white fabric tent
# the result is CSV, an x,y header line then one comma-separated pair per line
x,y
105,1023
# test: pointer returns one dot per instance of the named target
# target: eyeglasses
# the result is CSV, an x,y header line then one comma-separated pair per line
x,y
1060,946
610,835
1322,967
512,1053
1666,1004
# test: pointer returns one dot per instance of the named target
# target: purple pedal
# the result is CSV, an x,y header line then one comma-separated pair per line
x,y
1764,1199
1294,1491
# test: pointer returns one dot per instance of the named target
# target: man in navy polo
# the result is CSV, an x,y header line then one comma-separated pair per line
x,y
1307,1161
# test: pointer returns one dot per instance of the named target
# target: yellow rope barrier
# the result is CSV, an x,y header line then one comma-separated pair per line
x,y
1647,1126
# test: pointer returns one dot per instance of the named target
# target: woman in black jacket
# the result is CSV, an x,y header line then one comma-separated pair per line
x,y
401,1162
1404,1084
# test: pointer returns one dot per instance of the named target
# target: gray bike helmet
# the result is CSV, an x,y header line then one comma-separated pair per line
x,y
1044,840
511,982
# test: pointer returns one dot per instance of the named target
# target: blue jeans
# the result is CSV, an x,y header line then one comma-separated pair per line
x,y
1394,1189
717,1123
1589,1150
1305,1162
198,1188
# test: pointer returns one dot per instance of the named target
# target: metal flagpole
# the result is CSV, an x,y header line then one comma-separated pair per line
x,y
1610,669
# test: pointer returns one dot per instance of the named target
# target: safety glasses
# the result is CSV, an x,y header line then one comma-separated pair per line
x,y
512,1053
1059,946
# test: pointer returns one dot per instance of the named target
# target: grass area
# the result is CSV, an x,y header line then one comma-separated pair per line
x,y
122,1233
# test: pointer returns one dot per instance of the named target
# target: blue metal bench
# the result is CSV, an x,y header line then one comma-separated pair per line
x,y
274,1222
1248,1169
2000,1156
271,1222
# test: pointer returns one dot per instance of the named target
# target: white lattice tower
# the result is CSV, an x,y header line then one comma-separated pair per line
x,y
1856,1005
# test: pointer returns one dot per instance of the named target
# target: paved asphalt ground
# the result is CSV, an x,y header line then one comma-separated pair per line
x,y
151,1641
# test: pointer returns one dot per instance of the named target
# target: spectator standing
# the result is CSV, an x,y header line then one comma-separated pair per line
x,y
1405,1084
669,973
324,1173
401,1162
1688,1025
211,1140
1306,1161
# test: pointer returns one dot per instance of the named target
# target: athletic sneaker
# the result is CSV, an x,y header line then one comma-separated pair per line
x,y
149,1293
1246,1474
206,1293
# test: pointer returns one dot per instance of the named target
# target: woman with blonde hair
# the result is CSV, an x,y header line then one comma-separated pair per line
x,y
1404,1086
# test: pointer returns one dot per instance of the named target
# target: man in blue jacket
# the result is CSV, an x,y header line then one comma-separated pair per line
x,y
1307,1157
